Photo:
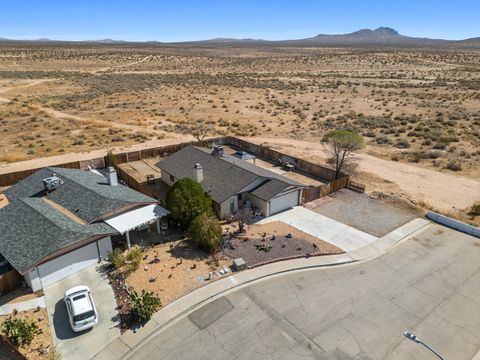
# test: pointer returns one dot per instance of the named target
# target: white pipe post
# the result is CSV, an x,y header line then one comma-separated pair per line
x,y
128,239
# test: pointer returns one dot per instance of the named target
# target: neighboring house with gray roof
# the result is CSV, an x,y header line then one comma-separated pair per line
x,y
49,235
232,183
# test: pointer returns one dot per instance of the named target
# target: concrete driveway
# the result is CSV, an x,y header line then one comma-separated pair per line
x,y
86,344
343,236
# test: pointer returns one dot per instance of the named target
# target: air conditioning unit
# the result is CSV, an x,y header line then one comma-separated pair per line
x,y
53,182
218,150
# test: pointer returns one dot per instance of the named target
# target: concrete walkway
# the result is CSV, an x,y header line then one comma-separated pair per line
x,y
336,233
7,309
122,345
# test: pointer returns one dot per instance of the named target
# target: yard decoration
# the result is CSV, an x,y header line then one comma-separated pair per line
x,y
264,247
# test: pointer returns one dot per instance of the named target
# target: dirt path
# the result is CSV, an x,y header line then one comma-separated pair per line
x,y
102,70
63,115
443,191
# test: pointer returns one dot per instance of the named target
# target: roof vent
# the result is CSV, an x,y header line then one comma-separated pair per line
x,y
218,150
53,182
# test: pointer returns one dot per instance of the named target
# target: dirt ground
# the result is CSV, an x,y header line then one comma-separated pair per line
x,y
375,214
417,109
443,191
282,242
18,295
42,342
181,270
413,104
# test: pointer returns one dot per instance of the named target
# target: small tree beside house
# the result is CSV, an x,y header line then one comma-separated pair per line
x,y
341,145
243,217
206,232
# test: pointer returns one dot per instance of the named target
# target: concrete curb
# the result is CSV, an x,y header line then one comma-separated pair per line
x,y
123,346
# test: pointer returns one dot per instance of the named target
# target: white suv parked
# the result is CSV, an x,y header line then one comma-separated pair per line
x,y
81,309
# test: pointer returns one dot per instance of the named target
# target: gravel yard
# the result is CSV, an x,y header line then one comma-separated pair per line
x,y
376,216
276,245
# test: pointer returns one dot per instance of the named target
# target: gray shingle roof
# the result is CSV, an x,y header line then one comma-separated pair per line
x,y
269,189
85,193
222,177
30,230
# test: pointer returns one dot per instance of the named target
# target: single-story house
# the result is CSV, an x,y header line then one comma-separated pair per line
x,y
59,221
231,182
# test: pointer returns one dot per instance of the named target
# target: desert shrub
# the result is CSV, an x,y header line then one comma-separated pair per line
x,y
402,144
454,165
382,140
133,258
54,354
117,258
130,259
205,232
112,159
395,158
19,331
185,200
144,305
475,210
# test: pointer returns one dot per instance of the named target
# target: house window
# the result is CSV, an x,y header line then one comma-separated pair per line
x,y
232,206
239,197
172,178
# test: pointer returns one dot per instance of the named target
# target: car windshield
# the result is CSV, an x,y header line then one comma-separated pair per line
x,y
84,316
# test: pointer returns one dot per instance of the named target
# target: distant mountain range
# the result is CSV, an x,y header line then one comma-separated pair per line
x,y
381,37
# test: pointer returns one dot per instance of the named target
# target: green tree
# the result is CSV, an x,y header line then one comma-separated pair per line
x,y
144,304
185,200
342,145
206,232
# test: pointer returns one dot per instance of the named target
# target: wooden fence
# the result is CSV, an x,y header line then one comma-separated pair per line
x,y
322,172
9,281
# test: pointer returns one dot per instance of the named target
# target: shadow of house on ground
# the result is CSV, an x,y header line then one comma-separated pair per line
x,y
187,251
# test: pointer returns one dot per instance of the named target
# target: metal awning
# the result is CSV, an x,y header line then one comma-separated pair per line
x,y
138,217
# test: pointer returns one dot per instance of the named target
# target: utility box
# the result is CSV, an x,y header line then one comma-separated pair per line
x,y
239,264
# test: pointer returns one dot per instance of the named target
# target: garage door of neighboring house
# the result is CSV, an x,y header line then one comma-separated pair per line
x,y
68,264
283,202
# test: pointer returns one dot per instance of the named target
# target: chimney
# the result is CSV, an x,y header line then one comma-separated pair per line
x,y
198,173
112,176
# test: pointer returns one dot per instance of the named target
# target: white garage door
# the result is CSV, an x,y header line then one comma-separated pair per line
x,y
68,264
283,202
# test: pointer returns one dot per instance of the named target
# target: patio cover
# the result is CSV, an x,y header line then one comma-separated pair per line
x,y
135,218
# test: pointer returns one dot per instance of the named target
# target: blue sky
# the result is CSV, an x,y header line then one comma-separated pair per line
x,y
268,19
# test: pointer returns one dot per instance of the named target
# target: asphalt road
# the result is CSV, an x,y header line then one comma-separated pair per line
x,y
429,285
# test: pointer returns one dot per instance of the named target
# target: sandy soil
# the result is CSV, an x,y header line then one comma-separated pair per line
x,y
42,341
176,274
442,190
